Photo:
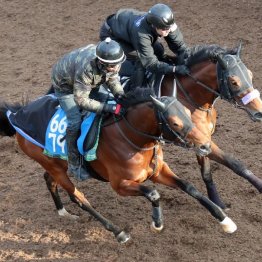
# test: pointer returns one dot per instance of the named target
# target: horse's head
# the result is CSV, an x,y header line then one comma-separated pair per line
x,y
177,125
235,83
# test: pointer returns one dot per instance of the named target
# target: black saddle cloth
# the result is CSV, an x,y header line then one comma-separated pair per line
x,y
36,114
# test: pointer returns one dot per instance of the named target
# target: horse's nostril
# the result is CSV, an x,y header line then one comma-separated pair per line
x,y
258,116
204,147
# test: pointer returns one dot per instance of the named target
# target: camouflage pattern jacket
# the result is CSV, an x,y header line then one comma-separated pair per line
x,y
77,73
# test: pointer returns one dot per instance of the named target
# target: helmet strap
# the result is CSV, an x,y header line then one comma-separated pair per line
x,y
101,66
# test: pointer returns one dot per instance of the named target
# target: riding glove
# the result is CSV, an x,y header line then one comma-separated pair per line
x,y
181,70
113,108
119,97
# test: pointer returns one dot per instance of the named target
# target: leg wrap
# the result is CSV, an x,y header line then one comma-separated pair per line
x,y
152,195
157,216
191,190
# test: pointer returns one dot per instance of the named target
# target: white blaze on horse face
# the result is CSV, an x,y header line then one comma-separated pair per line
x,y
211,126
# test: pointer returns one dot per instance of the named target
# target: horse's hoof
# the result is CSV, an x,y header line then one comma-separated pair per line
x,y
227,207
155,229
228,225
63,213
123,237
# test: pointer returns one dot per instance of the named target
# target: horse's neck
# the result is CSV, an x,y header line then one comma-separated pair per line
x,y
143,118
204,74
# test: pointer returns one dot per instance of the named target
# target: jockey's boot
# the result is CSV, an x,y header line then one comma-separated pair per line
x,y
74,164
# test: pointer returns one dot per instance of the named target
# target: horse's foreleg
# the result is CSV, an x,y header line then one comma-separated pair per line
x,y
235,165
210,185
153,196
131,188
167,177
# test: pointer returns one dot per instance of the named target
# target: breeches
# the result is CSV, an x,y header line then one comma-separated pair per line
x,y
71,109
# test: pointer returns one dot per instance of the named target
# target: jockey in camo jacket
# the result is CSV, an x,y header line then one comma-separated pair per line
x,y
73,77
140,32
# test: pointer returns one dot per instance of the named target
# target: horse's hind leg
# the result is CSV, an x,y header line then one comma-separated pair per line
x,y
57,168
79,198
210,185
235,165
167,177
52,187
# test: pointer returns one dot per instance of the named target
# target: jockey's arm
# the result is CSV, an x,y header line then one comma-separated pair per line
x,y
114,84
176,42
148,59
81,95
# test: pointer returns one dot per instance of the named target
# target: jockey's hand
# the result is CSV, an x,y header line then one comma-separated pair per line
x,y
181,70
113,108
120,96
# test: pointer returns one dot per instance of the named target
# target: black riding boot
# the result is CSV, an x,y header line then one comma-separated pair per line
x,y
74,164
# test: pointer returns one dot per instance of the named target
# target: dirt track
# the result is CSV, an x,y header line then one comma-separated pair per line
x,y
34,34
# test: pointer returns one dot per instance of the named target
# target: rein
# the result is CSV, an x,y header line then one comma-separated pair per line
x,y
160,138
208,88
188,96
137,131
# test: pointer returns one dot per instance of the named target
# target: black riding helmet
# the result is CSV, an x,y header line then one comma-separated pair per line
x,y
110,52
160,16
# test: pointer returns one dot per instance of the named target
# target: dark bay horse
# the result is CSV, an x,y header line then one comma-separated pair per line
x,y
216,73
128,153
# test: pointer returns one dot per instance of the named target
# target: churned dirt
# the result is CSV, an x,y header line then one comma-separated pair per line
x,y
34,34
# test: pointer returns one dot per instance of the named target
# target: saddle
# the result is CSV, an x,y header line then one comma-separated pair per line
x,y
44,123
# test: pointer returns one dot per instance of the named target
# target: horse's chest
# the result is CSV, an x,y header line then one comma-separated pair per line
x,y
204,122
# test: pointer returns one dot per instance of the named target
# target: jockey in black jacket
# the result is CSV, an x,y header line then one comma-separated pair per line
x,y
138,34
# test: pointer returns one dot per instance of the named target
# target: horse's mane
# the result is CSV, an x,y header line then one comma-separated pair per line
x,y
136,96
200,53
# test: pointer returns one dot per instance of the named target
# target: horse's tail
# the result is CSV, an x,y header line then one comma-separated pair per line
x,y
6,129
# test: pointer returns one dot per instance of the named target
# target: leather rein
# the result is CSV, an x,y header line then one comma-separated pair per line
x,y
164,127
222,85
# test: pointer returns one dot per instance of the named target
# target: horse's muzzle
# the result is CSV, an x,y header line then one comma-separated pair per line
x,y
257,117
203,150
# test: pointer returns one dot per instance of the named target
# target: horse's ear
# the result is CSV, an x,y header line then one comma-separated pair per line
x,y
239,48
222,62
160,105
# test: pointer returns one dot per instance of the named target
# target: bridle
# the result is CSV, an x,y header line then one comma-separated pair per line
x,y
164,127
225,92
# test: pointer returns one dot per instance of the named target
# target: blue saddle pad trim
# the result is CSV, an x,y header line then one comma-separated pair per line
x,y
87,123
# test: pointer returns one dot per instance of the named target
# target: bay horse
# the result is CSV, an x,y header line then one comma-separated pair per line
x,y
128,154
216,72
